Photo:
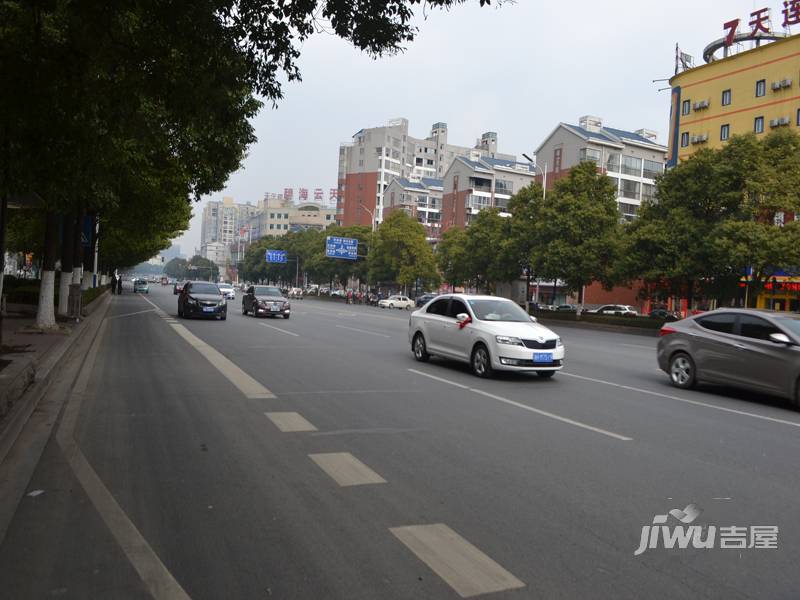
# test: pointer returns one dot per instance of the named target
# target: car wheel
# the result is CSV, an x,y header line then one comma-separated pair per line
x,y
244,310
481,361
286,316
682,371
180,312
795,400
545,374
391,306
223,317
420,349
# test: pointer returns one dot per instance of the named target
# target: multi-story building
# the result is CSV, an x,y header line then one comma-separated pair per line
x,y
632,159
752,91
377,155
223,220
279,217
421,199
474,183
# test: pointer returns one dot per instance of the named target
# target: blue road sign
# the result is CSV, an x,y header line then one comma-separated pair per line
x,y
86,231
276,256
341,247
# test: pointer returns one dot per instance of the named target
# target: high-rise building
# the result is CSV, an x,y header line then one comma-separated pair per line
x,y
377,155
222,221
631,159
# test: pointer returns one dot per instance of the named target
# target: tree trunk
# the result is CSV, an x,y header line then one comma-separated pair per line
x,y
77,251
67,244
689,296
45,314
88,258
3,220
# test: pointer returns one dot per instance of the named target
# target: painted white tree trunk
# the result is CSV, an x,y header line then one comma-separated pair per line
x,y
76,275
87,280
63,293
45,314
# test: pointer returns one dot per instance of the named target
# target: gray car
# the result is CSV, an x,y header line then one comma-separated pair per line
x,y
265,300
753,349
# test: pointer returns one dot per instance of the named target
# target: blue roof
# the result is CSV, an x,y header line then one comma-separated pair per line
x,y
501,162
594,135
630,135
410,184
431,182
609,134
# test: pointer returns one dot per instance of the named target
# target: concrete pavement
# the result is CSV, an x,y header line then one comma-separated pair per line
x,y
364,474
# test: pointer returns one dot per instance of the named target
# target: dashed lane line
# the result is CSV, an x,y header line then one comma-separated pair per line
x,y
345,469
286,331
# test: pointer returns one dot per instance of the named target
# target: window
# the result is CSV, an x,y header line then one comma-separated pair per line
x,y
286,215
628,211
439,307
758,125
272,225
271,215
761,88
648,192
590,154
726,97
722,323
756,327
630,189
615,183
418,161
632,166
724,132
612,164
429,161
798,117
652,169
286,226
686,107
557,159
456,308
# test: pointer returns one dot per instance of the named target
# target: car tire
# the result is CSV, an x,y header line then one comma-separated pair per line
x,y
223,317
286,316
545,374
682,371
795,399
244,310
180,312
420,348
481,362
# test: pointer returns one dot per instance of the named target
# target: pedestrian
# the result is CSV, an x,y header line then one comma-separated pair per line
x,y
119,285
113,283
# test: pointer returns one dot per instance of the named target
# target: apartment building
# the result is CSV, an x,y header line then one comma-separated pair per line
x,y
421,199
278,217
377,155
474,183
632,159
223,219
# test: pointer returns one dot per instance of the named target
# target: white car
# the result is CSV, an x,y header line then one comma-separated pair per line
x,y
619,310
227,291
397,301
296,293
489,333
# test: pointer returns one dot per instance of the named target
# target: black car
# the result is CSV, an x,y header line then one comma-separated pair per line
x,y
424,298
178,287
663,313
202,299
265,300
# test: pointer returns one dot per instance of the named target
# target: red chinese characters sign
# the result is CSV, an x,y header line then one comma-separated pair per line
x,y
760,22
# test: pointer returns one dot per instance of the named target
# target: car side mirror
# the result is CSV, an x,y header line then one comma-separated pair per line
x,y
533,319
461,317
780,338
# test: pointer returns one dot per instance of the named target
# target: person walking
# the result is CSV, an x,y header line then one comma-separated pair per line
x,y
113,283
119,285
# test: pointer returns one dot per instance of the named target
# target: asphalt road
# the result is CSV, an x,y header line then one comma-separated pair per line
x,y
314,458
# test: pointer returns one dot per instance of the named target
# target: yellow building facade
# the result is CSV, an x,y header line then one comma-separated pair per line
x,y
756,90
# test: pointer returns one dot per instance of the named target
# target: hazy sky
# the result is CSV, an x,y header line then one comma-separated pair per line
x,y
518,70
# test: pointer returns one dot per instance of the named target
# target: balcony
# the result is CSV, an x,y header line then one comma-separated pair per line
x,y
482,188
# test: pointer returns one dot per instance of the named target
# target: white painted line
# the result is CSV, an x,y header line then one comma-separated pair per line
x,y
543,413
463,387
463,567
138,312
686,400
290,421
345,469
286,331
550,415
363,331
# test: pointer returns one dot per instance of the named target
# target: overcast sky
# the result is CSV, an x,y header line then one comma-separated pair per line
x,y
518,70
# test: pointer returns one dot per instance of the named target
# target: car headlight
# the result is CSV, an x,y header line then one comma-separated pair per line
x,y
286,305
559,342
511,341
191,300
223,302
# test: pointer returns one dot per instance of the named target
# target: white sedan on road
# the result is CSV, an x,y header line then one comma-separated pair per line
x,y
227,291
397,301
487,332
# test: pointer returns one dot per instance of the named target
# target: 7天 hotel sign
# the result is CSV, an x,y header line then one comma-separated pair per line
x,y
760,22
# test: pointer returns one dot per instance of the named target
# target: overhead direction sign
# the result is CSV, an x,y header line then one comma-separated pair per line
x,y
341,247
276,256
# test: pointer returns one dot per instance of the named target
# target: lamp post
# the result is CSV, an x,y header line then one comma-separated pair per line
x,y
372,236
543,172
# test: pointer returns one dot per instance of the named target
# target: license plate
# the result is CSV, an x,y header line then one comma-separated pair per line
x,y
274,308
208,309
542,357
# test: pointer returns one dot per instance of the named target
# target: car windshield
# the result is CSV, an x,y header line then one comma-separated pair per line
x,y
790,323
265,290
495,309
204,288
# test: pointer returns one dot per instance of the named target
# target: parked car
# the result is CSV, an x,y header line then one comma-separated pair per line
x,y
619,310
570,308
397,301
488,332
202,299
663,313
424,299
296,293
266,300
752,349
140,286
227,291
178,287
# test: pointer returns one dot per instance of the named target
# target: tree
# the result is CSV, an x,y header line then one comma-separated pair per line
x,y
202,268
176,268
451,257
577,231
401,253
486,248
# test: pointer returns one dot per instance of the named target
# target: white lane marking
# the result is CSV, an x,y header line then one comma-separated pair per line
x,y
363,331
290,422
686,400
246,384
138,312
345,469
463,387
543,413
550,415
725,498
463,567
286,331
154,575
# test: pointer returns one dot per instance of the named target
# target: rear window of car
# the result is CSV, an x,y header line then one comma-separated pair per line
x,y
722,323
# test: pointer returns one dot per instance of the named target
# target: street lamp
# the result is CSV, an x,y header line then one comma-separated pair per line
x,y
371,216
544,173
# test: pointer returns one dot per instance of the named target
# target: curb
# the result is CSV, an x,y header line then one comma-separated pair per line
x,y
32,382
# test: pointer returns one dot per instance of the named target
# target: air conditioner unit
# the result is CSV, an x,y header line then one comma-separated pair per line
x,y
773,122
786,83
695,139
784,121
700,104
776,85
704,104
